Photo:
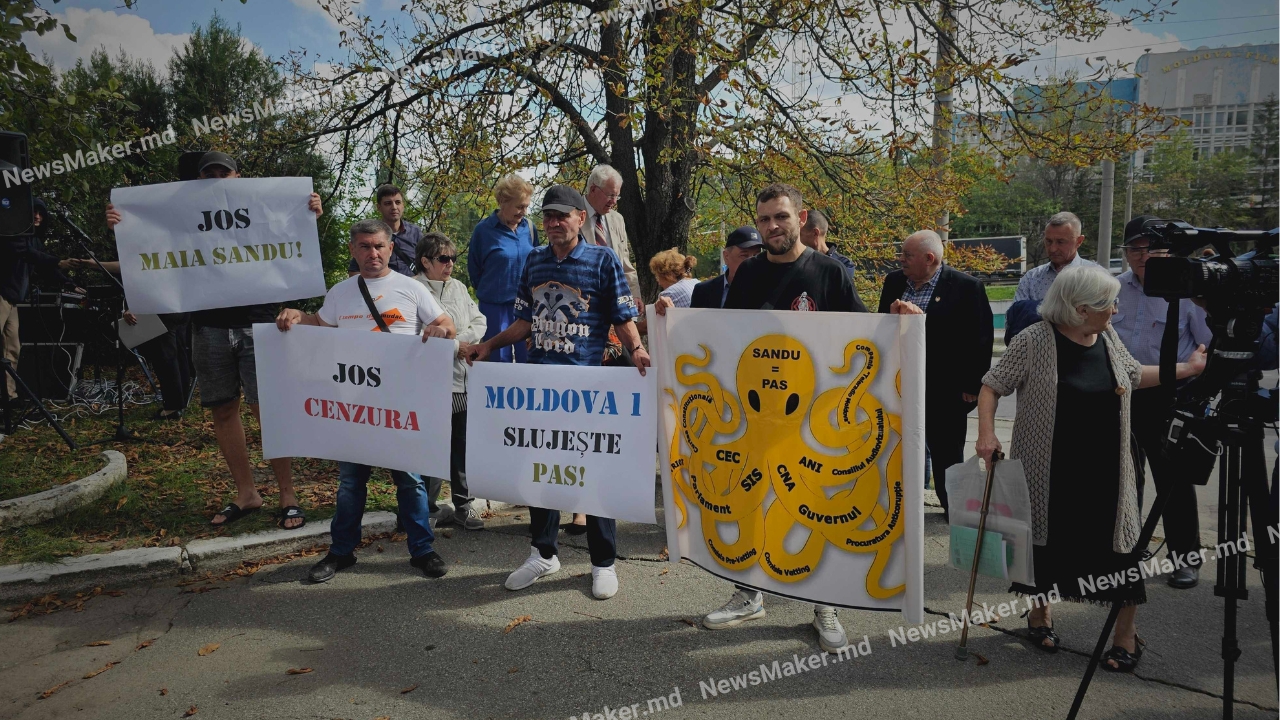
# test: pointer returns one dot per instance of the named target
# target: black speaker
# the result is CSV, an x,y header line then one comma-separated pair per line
x,y
50,369
16,217
189,165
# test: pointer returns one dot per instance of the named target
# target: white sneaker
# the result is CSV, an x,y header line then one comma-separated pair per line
x,y
743,606
604,582
532,569
831,635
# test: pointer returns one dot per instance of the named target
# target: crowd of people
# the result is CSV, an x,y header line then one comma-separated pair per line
x,y
1082,350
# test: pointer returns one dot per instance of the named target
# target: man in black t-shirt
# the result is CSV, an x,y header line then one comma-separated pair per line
x,y
222,352
787,276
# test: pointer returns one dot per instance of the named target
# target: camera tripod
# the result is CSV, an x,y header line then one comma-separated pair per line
x,y
1242,495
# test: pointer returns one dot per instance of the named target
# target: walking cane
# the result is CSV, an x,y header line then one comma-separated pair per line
x,y
962,652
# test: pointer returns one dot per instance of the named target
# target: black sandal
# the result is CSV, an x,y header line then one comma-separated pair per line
x,y
574,529
291,512
1037,636
1126,661
232,513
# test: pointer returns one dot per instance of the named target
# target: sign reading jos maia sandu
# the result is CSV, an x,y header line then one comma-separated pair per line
x,y
205,244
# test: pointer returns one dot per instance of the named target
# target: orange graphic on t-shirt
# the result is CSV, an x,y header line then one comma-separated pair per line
x,y
390,317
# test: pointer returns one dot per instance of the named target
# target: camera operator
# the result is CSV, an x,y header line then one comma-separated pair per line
x,y
1140,323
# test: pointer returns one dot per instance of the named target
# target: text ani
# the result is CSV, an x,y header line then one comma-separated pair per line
x,y
552,400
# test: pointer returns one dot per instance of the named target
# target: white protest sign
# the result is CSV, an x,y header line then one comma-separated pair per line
x,y
204,244
564,437
793,451
383,400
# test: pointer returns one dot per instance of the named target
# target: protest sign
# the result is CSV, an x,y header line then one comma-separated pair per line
x,y
204,244
383,400
793,451
563,436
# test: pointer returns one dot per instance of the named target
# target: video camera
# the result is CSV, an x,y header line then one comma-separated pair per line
x,y
1236,291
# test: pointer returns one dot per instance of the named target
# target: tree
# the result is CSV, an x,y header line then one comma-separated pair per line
x,y
686,96
1183,184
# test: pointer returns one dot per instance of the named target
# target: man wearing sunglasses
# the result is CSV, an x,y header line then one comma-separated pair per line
x,y
1140,322
570,293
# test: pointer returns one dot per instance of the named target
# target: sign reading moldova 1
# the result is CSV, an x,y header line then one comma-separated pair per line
x,y
204,244
568,437
383,400
793,451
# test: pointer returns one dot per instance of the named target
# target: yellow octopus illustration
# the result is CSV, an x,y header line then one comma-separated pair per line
x,y
729,481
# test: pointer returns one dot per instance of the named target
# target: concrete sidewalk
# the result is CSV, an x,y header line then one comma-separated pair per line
x,y
381,629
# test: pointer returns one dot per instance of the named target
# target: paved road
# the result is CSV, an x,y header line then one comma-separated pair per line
x,y
381,628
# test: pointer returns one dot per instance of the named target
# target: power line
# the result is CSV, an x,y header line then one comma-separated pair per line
x,y
1176,22
1168,42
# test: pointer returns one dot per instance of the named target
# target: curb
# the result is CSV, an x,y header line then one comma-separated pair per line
x,y
18,582
58,501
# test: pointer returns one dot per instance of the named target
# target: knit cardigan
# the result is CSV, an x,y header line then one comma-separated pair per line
x,y
1030,366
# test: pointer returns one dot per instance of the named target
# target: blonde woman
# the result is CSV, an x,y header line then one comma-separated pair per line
x,y
495,258
673,272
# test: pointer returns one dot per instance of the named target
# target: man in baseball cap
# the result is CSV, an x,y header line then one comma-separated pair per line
x,y
741,244
1140,321
568,272
217,165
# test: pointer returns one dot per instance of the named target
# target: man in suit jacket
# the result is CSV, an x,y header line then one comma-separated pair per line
x,y
605,226
741,244
958,335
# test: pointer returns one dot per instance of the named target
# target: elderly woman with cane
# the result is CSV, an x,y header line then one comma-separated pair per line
x,y
1071,431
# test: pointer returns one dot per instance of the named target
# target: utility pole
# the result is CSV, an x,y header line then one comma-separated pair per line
x,y
1104,212
943,80
1128,206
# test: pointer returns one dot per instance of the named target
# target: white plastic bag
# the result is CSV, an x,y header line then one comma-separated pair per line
x,y
1009,513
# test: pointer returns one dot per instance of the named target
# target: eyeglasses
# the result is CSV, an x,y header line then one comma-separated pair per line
x,y
447,258
1138,250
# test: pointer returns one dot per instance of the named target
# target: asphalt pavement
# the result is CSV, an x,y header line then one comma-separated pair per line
x,y
381,641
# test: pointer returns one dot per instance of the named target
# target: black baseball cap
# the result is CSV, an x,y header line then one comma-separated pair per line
x,y
563,198
217,158
744,237
1133,229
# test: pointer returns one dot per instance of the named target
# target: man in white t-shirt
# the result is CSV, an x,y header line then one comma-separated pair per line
x,y
406,307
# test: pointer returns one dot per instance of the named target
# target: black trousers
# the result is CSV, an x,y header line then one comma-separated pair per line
x,y
169,356
602,535
1149,418
457,467
945,428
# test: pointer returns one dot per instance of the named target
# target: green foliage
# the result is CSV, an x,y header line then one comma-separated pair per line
x,y
1207,192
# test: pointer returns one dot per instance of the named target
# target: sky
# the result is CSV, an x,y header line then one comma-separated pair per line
x,y
153,28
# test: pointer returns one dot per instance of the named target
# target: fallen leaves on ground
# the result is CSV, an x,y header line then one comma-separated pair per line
x,y
51,603
383,717
664,555
411,688
201,589
164,691
190,711
982,659
513,671
100,670
687,621
298,671
98,643
516,623
49,693
145,644
208,649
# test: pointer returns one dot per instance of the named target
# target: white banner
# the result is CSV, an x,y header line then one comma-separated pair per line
x,y
563,437
382,400
793,451
204,244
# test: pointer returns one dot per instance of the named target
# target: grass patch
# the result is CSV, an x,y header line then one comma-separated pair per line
x,y
1001,292
171,491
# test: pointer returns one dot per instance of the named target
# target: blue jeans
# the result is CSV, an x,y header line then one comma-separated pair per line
x,y
353,489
